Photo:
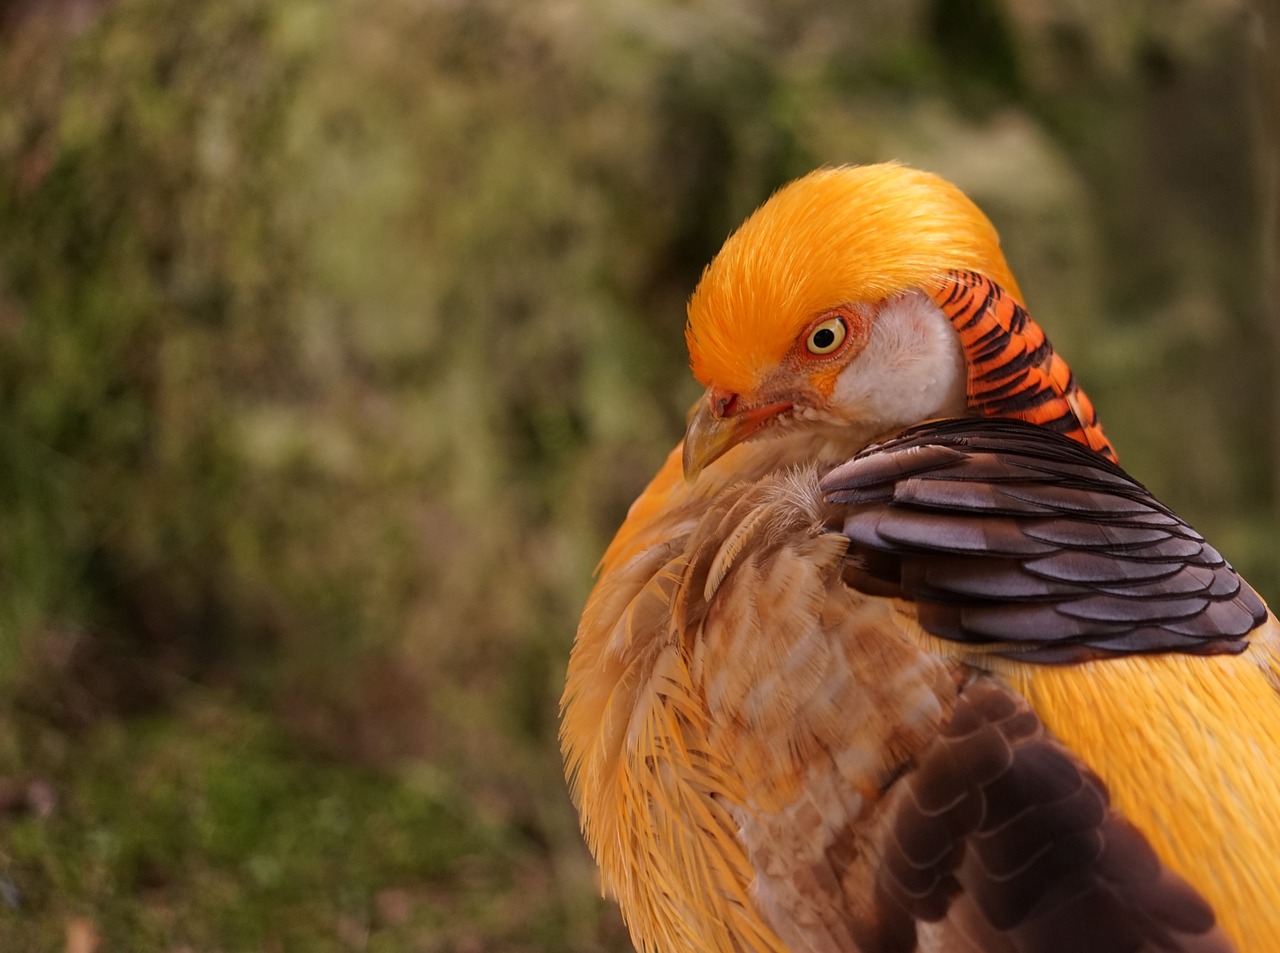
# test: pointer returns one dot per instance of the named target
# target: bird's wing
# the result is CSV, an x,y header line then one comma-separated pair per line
x,y
1002,839
1094,608
1024,545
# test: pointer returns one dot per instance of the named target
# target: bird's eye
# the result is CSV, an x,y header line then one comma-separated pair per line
x,y
827,336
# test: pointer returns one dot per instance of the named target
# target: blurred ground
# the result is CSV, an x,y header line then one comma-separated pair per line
x,y
336,337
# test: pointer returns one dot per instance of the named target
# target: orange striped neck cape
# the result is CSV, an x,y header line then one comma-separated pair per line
x,y
1013,370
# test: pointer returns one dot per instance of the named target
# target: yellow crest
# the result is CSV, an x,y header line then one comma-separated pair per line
x,y
837,236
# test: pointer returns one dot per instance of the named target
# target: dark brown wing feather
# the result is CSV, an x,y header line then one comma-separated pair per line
x,y
1008,836
1012,537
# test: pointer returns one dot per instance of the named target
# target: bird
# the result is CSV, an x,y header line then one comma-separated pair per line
x,y
891,655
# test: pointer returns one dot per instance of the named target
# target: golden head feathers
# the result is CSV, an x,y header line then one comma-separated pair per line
x,y
837,236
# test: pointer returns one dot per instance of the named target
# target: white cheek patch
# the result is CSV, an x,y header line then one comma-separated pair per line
x,y
912,368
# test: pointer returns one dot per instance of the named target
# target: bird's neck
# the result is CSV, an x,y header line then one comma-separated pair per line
x,y
669,506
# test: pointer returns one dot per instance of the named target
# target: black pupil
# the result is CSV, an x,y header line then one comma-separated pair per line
x,y
823,338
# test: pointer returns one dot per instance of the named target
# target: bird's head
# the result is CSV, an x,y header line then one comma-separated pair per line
x,y
820,309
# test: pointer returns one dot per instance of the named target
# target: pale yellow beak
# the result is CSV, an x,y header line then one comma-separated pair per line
x,y
717,424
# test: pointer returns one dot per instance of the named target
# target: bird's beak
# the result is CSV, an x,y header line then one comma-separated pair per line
x,y
718,423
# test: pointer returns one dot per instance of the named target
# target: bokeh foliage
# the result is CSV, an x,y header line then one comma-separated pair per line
x,y
335,338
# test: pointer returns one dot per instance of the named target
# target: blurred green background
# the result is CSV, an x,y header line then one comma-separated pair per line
x,y
335,338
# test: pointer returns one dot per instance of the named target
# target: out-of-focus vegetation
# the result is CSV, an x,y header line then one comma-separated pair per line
x,y
335,338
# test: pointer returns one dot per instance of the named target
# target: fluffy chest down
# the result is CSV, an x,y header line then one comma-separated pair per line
x,y
755,709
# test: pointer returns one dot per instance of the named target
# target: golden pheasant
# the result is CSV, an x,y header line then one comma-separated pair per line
x,y
967,689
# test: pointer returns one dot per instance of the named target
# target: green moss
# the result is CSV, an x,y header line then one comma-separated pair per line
x,y
214,829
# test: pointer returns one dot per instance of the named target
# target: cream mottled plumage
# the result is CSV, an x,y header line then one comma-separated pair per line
x,y
971,690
